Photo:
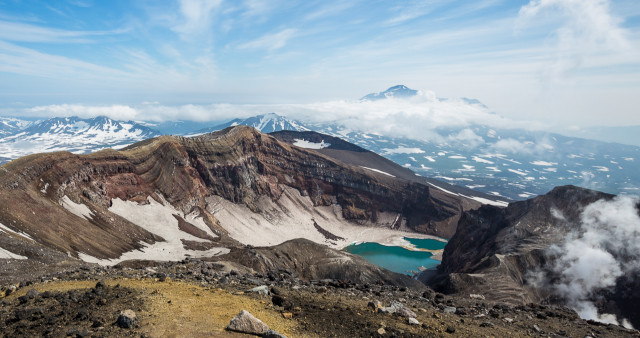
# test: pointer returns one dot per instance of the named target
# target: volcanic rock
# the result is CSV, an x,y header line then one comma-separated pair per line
x,y
245,322
127,319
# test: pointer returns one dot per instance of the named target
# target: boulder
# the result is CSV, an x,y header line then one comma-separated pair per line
x,y
127,319
245,322
261,290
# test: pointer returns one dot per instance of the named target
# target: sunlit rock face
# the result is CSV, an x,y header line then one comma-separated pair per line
x,y
169,198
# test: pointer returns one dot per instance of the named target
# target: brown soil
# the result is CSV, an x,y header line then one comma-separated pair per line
x,y
187,309
164,309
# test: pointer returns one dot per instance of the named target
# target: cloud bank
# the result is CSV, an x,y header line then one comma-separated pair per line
x,y
417,118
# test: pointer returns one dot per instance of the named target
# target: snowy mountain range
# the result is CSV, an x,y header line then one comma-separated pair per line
x,y
510,163
266,123
72,134
9,125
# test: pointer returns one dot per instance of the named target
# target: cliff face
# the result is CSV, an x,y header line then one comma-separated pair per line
x,y
507,255
521,229
68,202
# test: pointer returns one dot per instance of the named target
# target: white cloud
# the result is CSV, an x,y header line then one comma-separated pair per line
x,y
467,138
119,112
270,42
587,29
22,60
418,118
511,145
197,16
23,32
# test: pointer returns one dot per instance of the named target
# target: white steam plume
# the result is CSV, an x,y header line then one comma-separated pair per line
x,y
604,248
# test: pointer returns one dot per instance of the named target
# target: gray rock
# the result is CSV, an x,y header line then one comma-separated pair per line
x,y
273,334
261,290
406,313
476,296
536,328
245,322
31,294
11,289
386,309
413,321
449,309
399,309
374,304
127,319
451,329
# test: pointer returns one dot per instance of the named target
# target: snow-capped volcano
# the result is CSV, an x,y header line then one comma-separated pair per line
x,y
266,123
399,91
72,134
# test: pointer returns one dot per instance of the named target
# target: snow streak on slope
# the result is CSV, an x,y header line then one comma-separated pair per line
x,y
159,219
310,145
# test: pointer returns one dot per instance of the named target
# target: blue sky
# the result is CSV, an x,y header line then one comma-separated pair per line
x,y
556,61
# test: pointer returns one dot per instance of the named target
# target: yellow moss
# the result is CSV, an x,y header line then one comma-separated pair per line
x,y
181,309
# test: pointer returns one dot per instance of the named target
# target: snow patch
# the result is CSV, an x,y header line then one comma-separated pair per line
x,y
402,150
310,145
294,216
487,201
481,160
519,172
158,218
475,198
378,171
79,210
544,163
6,254
4,228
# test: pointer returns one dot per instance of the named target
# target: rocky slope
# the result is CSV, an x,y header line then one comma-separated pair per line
x,y
173,197
533,250
195,298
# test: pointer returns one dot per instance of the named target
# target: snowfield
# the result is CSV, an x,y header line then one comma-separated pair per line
x,y
158,218
295,216
310,145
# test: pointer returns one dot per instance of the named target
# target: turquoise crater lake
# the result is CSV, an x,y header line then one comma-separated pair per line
x,y
397,258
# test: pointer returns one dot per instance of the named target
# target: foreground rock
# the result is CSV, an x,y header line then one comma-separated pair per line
x,y
127,319
202,297
245,322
